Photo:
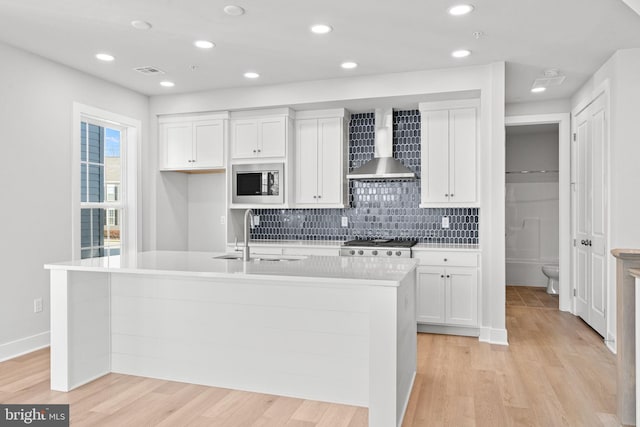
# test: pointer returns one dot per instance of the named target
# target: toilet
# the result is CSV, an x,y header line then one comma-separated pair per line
x,y
553,275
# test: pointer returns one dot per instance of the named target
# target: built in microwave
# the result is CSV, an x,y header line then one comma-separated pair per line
x,y
258,183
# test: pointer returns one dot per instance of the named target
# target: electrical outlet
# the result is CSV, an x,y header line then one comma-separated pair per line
x,y
256,220
223,219
445,222
345,221
37,305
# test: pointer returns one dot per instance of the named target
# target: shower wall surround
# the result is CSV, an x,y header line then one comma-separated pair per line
x,y
379,209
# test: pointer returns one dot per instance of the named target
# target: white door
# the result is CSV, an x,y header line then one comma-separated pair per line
x,y
582,153
590,214
272,137
461,296
178,144
330,171
208,144
462,155
435,156
306,166
597,239
244,138
430,295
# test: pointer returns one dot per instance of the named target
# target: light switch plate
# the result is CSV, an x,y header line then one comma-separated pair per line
x,y
445,222
223,219
345,221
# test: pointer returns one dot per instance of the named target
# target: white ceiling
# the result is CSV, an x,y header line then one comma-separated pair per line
x,y
273,38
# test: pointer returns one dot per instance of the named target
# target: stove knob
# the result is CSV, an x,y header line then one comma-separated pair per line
x,y
398,253
360,252
352,252
374,252
389,253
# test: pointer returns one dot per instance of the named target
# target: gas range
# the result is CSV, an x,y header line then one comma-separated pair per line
x,y
377,247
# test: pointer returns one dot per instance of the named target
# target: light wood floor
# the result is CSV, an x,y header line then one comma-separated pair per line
x,y
556,372
530,296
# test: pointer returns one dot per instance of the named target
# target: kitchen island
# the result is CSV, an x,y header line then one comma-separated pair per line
x,y
333,329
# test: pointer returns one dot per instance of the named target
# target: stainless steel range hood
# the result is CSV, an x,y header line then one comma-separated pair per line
x,y
383,165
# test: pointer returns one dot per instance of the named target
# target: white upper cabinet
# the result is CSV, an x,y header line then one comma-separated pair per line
x,y
258,137
192,143
449,150
320,159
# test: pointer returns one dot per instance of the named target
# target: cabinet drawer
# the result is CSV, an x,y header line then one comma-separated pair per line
x,y
444,259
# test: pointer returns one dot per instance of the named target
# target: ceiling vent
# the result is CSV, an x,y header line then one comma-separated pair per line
x,y
149,70
549,81
552,77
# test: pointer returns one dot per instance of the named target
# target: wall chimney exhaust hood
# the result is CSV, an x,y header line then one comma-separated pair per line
x,y
383,165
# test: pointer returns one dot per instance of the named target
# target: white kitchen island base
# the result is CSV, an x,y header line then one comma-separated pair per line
x,y
345,340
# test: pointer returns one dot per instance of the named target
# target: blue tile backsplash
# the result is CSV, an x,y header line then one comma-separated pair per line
x,y
378,209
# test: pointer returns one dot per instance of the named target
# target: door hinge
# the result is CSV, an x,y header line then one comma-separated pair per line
x,y
574,292
574,136
575,242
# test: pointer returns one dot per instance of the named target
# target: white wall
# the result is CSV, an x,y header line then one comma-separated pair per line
x,y
621,71
540,107
532,205
206,204
36,105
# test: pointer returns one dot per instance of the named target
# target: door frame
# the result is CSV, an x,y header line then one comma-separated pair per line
x,y
565,236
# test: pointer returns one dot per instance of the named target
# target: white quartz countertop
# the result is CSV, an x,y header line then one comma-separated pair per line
x,y
445,247
338,244
346,270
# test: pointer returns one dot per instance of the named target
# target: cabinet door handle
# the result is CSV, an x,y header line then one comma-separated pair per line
x,y
448,276
442,276
315,197
446,195
254,151
451,195
259,150
445,260
319,197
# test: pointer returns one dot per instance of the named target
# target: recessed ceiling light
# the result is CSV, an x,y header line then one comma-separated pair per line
x,y
321,29
141,25
538,89
349,65
462,53
233,10
251,75
460,9
204,44
105,57
167,83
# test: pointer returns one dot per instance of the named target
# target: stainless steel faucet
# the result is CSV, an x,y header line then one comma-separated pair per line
x,y
248,219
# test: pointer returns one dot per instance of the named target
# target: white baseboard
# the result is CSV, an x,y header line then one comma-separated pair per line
x,y
22,346
493,336
406,400
610,342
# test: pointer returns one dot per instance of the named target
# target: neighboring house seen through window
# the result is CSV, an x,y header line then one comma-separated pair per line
x,y
101,163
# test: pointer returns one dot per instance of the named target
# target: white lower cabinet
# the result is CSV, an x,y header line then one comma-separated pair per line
x,y
448,296
447,290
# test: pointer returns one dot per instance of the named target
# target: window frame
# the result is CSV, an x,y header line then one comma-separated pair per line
x,y
127,204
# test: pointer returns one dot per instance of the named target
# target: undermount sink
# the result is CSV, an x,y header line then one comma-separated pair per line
x,y
260,258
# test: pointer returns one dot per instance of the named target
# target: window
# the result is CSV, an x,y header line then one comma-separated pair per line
x,y
100,179
105,183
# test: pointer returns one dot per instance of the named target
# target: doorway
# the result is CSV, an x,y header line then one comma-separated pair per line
x,y
564,238
532,216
